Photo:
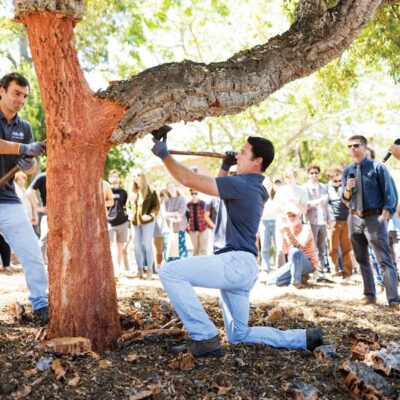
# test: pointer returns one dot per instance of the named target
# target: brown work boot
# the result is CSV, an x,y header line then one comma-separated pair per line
x,y
201,348
394,307
367,300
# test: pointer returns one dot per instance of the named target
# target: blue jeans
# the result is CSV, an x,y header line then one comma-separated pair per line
x,y
234,273
18,232
376,267
291,272
143,245
267,236
370,231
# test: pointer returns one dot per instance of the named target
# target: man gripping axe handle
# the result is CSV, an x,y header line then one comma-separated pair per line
x,y
161,134
26,161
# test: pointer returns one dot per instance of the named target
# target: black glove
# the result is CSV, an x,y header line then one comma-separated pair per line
x,y
26,163
229,160
32,149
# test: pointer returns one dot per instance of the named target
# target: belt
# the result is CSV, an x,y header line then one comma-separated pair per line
x,y
367,213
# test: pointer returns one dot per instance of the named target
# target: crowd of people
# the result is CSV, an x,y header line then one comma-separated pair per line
x,y
294,231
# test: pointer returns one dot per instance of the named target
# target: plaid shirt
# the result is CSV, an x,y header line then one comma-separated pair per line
x,y
200,207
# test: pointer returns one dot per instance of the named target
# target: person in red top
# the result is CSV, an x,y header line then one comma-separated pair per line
x,y
298,244
198,227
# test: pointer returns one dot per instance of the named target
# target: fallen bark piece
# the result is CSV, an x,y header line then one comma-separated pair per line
x,y
58,369
136,335
360,350
325,352
275,314
152,392
68,345
74,381
184,362
105,364
385,360
363,383
370,338
23,391
300,390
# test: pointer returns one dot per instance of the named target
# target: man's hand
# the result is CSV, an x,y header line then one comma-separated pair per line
x,y
350,184
229,160
32,149
285,230
146,217
385,215
26,163
160,149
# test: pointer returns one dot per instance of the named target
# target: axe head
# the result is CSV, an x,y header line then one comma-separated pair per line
x,y
161,133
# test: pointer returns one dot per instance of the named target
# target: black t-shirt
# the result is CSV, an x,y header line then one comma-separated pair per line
x,y
117,213
39,183
19,131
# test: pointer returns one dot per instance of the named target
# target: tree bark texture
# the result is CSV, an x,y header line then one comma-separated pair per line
x,y
82,289
189,91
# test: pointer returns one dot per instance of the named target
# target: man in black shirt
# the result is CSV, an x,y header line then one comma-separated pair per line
x,y
338,235
118,224
17,148
39,184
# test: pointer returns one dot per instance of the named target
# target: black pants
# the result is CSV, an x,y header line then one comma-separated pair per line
x,y
5,252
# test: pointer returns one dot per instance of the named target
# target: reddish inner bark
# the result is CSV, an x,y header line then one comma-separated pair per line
x,y
82,289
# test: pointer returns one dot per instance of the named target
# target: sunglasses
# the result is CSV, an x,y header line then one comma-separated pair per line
x,y
314,173
337,181
355,145
193,193
291,215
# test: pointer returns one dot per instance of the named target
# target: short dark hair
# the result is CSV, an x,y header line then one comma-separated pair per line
x,y
313,166
13,77
361,138
263,148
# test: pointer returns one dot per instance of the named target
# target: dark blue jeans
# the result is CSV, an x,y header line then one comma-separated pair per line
x,y
370,230
291,272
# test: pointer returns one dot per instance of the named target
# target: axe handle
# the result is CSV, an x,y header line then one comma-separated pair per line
x,y
9,175
198,153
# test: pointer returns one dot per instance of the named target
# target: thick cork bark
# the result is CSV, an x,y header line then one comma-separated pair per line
x,y
82,289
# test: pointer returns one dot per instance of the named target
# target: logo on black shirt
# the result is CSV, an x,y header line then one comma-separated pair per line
x,y
17,135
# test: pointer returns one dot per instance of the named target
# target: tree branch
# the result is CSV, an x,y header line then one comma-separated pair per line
x,y
191,91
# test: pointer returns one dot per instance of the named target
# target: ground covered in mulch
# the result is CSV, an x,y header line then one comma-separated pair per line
x,y
143,368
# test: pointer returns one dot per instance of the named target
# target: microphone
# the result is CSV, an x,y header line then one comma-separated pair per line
x,y
397,141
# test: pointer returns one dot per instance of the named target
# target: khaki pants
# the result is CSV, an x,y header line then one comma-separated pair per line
x,y
339,236
200,242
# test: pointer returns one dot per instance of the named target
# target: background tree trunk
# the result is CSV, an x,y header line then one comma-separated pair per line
x,y
82,289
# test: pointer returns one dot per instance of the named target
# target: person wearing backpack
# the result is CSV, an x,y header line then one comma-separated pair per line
x,y
117,217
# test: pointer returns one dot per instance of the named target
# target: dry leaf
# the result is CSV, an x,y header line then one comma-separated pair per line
x,y
131,357
105,364
275,314
74,381
29,372
58,369
221,390
154,389
184,362
23,391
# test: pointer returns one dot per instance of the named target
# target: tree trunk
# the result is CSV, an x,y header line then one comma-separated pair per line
x,y
82,289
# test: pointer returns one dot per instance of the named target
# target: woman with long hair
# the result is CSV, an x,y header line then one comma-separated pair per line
x,y
174,211
144,206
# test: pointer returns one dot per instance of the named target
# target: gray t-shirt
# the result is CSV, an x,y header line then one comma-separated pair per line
x,y
243,198
19,131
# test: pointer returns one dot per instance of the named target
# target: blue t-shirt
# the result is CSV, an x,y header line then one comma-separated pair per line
x,y
19,131
243,198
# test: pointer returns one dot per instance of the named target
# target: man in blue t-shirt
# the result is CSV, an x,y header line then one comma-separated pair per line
x,y
17,148
233,268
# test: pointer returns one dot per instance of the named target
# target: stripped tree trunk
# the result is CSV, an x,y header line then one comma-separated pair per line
x,y
81,127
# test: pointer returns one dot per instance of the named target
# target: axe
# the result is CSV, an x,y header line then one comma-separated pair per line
x,y
161,134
